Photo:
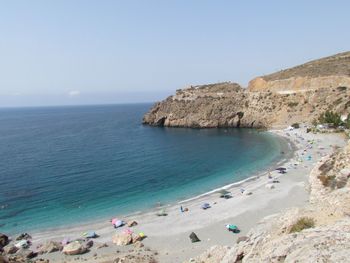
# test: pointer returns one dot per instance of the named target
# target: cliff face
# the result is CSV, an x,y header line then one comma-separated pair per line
x,y
328,241
199,108
298,95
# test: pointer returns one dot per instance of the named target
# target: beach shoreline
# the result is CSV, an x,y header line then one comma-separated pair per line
x,y
252,178
168,235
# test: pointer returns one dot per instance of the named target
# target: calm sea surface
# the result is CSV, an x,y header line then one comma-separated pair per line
x,y
62,165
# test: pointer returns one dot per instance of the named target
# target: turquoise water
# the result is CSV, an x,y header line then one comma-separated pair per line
x,y
62,165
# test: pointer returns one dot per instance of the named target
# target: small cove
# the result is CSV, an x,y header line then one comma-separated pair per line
x,y
63,165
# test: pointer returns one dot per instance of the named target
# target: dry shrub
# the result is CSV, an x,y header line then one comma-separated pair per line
x,y
326,181
302,223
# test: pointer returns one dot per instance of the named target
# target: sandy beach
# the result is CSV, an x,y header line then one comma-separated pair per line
x,y
168,236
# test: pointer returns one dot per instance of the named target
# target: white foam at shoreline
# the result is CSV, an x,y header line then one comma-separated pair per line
x,y
254,177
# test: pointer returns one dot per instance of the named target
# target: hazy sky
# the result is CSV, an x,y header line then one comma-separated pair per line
x,y
90,52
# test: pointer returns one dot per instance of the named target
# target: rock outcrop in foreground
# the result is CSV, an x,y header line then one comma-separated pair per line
x,y
298,94
275,238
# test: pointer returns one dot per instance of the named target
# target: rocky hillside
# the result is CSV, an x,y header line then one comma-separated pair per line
x,y
319,232
298,95
330,72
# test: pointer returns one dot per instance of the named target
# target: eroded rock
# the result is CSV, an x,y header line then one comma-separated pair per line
x,y
49,247
4,239
122,239
74,248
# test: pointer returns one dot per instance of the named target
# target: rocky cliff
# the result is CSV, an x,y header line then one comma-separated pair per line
x,y
298,94
327,240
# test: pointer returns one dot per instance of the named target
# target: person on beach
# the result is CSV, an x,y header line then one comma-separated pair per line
x,y
269,175
181,209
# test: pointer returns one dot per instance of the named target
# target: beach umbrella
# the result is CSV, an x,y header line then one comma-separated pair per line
x,y
114,220
194,237
223,192
232,228
118,223
281,168
90,234
205,206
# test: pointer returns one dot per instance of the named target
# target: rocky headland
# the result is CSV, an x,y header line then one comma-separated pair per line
x,y
318,231
295,95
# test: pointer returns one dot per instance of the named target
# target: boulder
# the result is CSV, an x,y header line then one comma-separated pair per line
x,y
26,253
122,239
345,172
31,254
3,259
4,240
17,259
89,244
102,246
50,246
22,236
10,249
242,238
132,223
74,248
138,244
136,238
41,260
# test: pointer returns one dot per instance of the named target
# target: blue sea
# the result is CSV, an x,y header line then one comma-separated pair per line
x,y
63,165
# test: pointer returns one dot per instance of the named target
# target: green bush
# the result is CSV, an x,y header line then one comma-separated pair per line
x,y
327,181
292,104
342,88
295,125
330,117
347,122
301,224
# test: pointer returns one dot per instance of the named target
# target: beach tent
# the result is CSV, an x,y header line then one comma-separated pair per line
x,y
205,206
225,194
281,168
90,234
162,213
118,223
233,228
222,192
194,238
